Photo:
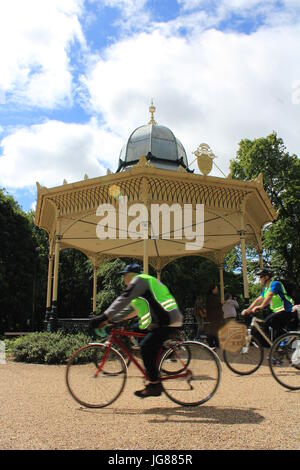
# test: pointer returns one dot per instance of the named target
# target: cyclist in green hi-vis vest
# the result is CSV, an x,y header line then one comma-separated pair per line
x,y
158,313
281,305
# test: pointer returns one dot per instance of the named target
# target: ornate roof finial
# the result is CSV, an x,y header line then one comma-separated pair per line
x,y
205,158
152,110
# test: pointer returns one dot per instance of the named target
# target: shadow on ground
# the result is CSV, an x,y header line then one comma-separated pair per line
x,y
205,414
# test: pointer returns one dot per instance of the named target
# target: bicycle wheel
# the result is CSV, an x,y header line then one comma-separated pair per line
x,y
86,385
202,380
284,360
241,358
177,360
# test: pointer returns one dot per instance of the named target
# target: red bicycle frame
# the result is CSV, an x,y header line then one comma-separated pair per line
x,y
114,339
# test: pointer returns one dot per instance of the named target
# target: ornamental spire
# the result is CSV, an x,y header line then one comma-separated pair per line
x,y
152,110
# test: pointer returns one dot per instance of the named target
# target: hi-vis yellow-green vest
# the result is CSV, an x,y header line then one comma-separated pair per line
x,y
160,293
277,304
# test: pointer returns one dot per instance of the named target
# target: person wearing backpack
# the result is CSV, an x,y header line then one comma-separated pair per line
x,y
281,304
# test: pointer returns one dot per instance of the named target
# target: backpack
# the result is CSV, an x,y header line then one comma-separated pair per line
x,y
292,290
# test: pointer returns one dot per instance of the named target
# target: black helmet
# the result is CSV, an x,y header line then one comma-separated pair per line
x,y
265,272
132,268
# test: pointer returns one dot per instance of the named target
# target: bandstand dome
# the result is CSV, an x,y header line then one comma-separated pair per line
x,y
156,142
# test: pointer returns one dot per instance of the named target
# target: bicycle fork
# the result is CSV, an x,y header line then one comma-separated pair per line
x,y
245,348
106,353
296,353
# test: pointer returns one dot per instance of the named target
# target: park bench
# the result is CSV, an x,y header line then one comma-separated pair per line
x,y
12,334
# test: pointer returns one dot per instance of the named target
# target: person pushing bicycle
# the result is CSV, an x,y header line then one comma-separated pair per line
x,y
158,314
281,304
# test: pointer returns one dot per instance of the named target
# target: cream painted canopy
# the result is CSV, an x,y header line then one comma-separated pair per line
x,y
232,209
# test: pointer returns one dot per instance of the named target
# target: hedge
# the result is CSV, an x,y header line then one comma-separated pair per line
x,y
45,348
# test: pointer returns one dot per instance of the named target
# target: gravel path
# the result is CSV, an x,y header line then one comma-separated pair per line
x,y
37,412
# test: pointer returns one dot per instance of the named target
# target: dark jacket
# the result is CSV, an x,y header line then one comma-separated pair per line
x,y
214,313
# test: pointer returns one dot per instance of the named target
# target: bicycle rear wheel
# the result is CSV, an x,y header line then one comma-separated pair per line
x,y
284,360
89,387
202,380
241,358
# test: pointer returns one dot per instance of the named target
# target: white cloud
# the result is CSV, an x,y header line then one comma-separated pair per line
x,y
127,7
53,151
211,86
229,5
200,15
35,37
134,14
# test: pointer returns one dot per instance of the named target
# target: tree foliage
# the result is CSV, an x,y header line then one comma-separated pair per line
x,y
75,284
18,259
281,179
111,283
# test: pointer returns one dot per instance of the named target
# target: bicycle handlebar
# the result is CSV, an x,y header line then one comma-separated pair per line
x,y
109,325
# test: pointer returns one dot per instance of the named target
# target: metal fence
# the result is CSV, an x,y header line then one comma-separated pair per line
x,y
194,328
73,325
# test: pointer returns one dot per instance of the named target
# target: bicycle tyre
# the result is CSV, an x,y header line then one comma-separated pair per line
x,y
244,363
284,352
204,371
81,368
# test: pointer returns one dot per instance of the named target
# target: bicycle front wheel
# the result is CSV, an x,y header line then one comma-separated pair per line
x,y
202,378
96,377
284,360
242,358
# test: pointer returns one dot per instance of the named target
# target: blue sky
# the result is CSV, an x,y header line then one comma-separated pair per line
x,y
77,77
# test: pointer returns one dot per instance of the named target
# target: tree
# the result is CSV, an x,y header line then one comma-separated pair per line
x,y
189,277
111,283
281,178
18,257
75,284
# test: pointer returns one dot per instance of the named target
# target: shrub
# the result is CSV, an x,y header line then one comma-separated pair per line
x,y
8,346
46,348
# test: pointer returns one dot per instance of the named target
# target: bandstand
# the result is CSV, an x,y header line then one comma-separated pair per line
x,y
153,170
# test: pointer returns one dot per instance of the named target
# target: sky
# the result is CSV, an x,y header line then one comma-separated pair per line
x,y
77,77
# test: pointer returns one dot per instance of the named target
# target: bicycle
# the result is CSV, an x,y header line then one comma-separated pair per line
x,y
96,374
284,360
244,354
134,345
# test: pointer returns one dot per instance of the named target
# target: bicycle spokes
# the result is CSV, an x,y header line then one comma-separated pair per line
x,y
284,360
246,357
96,375
199,381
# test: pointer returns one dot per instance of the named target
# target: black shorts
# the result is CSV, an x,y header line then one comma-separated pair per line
x,y
281,321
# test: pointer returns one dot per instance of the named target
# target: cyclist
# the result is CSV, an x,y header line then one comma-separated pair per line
x,y
157,312
281,305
